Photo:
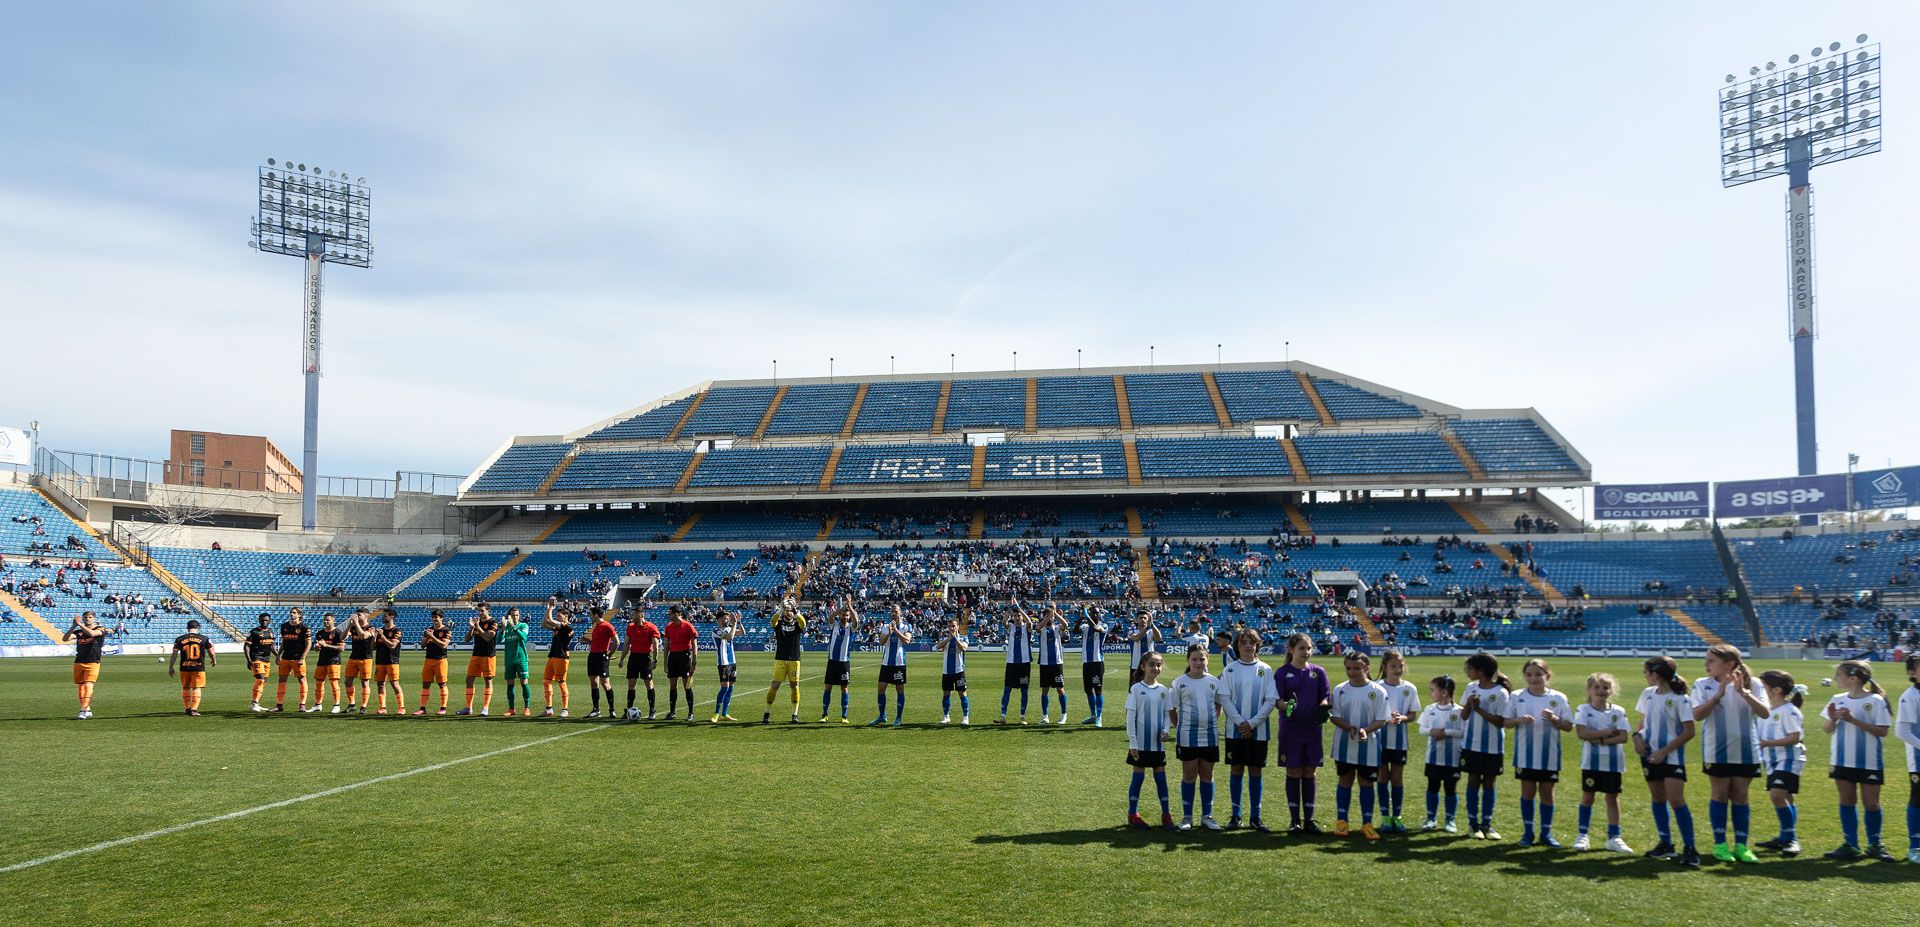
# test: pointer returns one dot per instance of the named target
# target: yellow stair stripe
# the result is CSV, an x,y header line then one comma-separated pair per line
x,y
1313,396
1461,509
32,617
1120,399
977,529
1134,530
687,415
766,418
853,411
1699,630
680,533
1219,401
1474,470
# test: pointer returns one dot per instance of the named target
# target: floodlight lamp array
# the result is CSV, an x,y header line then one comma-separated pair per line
x,y
304,210
1831,99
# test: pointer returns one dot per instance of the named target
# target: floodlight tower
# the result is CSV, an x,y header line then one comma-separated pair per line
x,y
1820,110
322,217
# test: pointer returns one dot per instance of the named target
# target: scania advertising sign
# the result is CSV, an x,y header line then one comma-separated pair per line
x,y
1648,501
1887,489
1793,495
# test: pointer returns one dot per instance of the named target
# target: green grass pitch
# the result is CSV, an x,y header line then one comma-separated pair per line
x,y
784,824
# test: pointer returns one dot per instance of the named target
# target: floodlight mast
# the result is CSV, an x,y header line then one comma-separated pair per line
x,y
320,216
1777,123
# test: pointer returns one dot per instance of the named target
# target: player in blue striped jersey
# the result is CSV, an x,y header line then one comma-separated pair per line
x,y
1783,755
1145,638
894,639
840,625
1858,720
1093,664
1603,729
1053,661
1484,753
1445,725
726,630
1358,710
1666,724
1539,716
1197,699
1249,706
1149,721
1729,705
1906,726
953,673
1019,674
1403,703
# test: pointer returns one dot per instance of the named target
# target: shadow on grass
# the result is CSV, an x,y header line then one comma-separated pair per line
x,y
1455,851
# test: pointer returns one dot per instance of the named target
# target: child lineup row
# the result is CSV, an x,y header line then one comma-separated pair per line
x,y
1748,728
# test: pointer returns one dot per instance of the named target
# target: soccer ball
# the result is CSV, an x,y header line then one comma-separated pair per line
x,y
1826,683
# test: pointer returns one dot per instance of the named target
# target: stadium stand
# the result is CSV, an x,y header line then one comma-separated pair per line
x,y
60,591
29,524
1395,516
1326,454
1264,394
624,470
521,468
905,463
1823,565
1055,460
239,572
455,576
762,466
656,423
1211,458
1348,402
729,411
641,526
1169,399
1512,446
813,409
1072,402
898,406
987,404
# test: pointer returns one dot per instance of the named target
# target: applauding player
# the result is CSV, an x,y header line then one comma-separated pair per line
x,y
483,632
893,668
434,644
953,673
789,626
87,637
724,633
1093,663
1053,661
295,638
840,624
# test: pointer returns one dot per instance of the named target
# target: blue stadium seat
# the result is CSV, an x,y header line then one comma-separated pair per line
x,y
1515,445
729,411
521,468
1170,399
657,423
1345,401
1067,402
623,470
1264,394
1055,460
762,466
987,404
1204,458
898,406
813,409
1377,453
904,463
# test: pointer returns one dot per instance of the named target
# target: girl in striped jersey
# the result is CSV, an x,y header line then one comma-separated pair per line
x,y
1858,719
953,673
1249,705
1539,716
1729,704
1403,702
1149,712
1197,700
1603,730
1093,664
1484,746
1783,754
1358,710
1666,724
1906,726
724,633
1053,661
1445,725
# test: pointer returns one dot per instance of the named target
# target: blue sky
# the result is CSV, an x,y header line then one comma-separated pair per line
x,y
579,209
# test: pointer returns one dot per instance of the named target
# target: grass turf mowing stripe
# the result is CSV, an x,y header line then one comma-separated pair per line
x,y
323,793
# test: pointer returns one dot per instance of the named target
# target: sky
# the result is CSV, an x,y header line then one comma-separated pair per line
x,y
581,207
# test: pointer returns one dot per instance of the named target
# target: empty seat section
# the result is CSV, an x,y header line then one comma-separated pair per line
x,y
987,404
1623,568
1197,458
521,468
1263,394
1344,401
624,470
1170,399
1066,402
898,406
1824,564
904,463
1512,445
1397,452
655,423
769,466
813,409
1055,460
246,572
730,410
641,525
453,577
1388,516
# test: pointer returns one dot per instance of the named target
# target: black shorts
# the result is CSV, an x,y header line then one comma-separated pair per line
x,y
1536,775
597,664
839,672
1093,675
1599,783
1476,763
1856,774
640,666
893,675
1393,757
1442,773
1733,770
1018,674
679,664
1053,676
1148,759
1246,751
1785,781
1363,773
1203,754
1656,772
729,673
953,682
1913,797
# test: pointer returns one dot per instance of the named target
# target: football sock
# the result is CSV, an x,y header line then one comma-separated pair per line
x,y
1850,824
1160,785
1683,821
1186,799
1717,819
1742,822
1133,790
1206,798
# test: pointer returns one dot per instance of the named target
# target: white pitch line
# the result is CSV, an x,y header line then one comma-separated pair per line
x,y
323,793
